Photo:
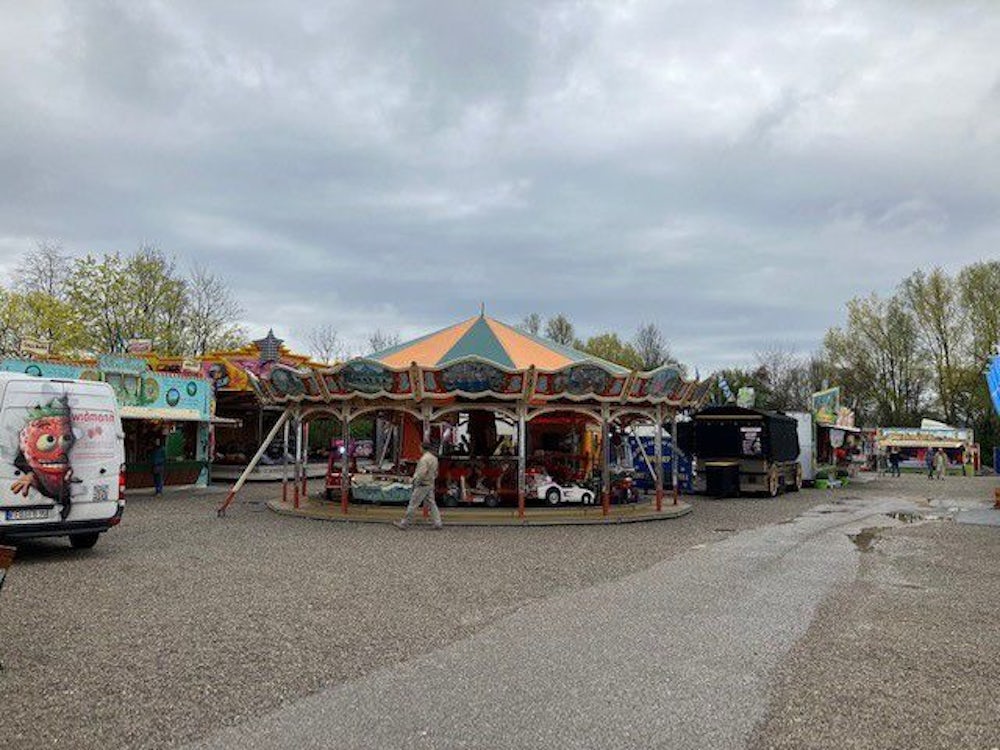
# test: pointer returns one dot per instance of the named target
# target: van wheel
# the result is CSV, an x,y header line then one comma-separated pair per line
x,y
84,541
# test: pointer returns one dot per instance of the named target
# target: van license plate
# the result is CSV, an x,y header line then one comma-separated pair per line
x,y
28,514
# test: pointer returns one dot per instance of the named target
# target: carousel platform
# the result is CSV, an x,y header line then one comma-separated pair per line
x,y
569,515
265,473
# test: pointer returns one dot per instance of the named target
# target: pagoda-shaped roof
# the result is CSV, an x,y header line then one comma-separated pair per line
x,y
491,340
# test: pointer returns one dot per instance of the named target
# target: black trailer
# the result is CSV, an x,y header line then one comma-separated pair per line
x,y
746,450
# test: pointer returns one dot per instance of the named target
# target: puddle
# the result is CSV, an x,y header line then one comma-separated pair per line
x,y
865,539
906,516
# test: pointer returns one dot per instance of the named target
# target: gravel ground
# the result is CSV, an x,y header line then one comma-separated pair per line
x,y
906,655
179,623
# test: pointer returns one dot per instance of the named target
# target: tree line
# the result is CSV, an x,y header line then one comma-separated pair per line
x,y
647,350
920,351
96,303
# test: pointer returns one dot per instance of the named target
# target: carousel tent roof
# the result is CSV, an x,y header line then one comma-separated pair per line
x,y
491,340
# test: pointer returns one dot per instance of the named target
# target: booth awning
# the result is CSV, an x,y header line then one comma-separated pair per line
x,y
829,426
910,443
166,415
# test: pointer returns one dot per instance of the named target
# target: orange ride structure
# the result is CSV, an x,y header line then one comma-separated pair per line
x,y
475,366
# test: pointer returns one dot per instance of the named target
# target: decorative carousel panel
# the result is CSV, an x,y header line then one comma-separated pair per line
x,y
580,381
700,393
311,383
682,392
367,377
473,378
657,385
285,382
334,382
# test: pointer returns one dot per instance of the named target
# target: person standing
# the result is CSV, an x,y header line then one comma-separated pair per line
x,y
929,462
940,463
159,461
424,477
893,461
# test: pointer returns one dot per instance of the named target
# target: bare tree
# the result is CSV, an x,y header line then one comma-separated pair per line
x,y
560,330
786,377
532,323
45,269
651,347
324,343
211,312
379,340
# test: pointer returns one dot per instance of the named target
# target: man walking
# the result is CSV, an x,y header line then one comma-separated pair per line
x,y
423,489
929,462
940,463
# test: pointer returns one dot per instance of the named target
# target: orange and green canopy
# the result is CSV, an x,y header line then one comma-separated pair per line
x,y
490,340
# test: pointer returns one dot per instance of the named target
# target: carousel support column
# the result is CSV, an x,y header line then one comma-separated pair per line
x,y
298,459
284,465
221,511
659,458
674,453
426,421
305,460
345,464
522,454
605,460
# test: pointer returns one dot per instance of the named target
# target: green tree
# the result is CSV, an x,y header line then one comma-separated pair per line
x,y
876,359
137,296
933,299
611,348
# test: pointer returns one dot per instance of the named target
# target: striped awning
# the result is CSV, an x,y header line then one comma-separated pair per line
x,y
490,340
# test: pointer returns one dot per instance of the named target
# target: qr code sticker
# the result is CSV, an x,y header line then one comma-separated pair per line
x,y
100,493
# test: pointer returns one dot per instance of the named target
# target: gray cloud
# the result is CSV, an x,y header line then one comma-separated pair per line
x,y
733,171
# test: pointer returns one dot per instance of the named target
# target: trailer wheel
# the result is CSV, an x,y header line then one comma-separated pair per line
x,y
797,484
553,496
773,483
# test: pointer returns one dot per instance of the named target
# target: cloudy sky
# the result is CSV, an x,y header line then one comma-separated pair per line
x,y
733,171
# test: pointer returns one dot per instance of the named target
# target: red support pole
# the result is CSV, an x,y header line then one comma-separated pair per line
x,y
605,461
658,443
345,465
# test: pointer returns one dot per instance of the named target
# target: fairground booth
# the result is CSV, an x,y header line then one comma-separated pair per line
x,y
242,421
173,408
913,444
519,419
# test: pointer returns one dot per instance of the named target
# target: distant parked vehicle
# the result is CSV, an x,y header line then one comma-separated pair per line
x,y
747,450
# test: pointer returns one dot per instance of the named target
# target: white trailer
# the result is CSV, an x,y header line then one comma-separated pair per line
x,y
807,444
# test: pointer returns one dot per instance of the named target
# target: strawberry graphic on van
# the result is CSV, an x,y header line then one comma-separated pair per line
x,y
43,458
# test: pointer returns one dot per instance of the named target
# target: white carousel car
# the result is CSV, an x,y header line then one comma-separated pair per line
x,y
543,487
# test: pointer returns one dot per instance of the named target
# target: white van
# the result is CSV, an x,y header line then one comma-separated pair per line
x,y
62,459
